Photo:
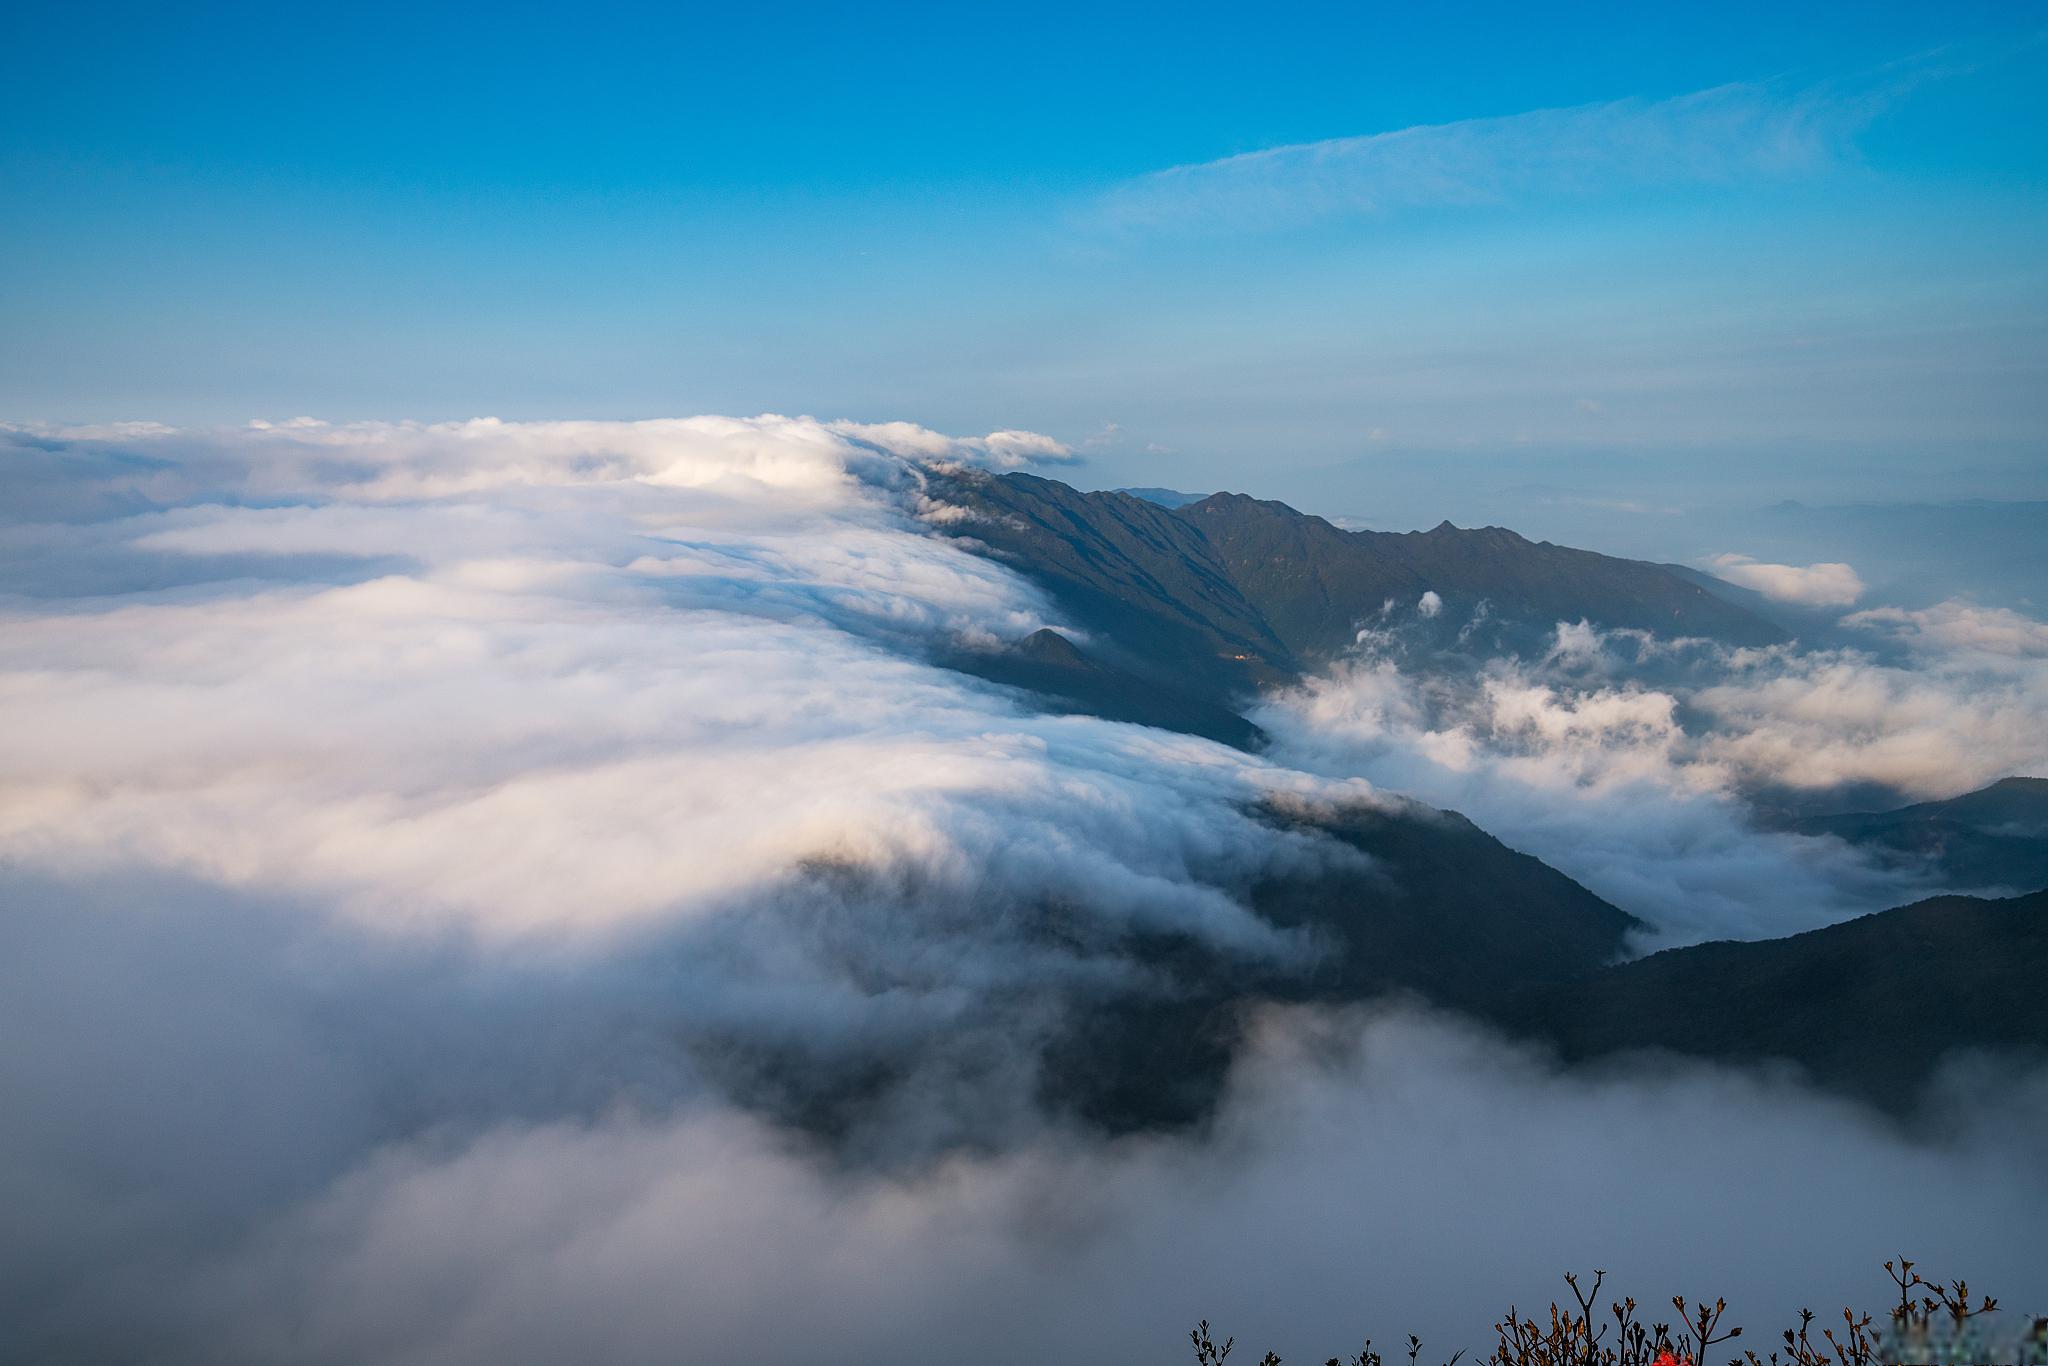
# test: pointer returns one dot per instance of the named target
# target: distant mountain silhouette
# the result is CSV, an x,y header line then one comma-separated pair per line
x,y
1869,1008
1994,837
1166,498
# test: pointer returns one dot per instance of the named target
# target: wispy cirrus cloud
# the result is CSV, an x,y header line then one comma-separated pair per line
x,y
1727,134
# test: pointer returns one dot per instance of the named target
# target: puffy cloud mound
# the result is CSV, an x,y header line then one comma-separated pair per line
x,y
1814,585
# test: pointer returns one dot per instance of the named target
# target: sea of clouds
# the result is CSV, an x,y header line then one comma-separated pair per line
x,y
408,833
1637,764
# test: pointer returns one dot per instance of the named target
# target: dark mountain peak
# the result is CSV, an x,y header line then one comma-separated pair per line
x,y
1047,646
1448,531
1028,480
1226,501
1238,514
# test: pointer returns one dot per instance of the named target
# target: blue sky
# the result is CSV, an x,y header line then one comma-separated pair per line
x,y
1720,252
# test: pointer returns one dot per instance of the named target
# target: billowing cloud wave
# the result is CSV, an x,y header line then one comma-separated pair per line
x,y
552,678
1645,791
412,836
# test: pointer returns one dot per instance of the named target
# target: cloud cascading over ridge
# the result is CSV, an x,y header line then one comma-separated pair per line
x,y
603,652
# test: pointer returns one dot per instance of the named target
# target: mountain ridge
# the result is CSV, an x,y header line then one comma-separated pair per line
x,y
1870,1008
1995,836
1229,594
1184,611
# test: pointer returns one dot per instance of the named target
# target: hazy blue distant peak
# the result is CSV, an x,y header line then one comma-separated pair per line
x,y
1166,498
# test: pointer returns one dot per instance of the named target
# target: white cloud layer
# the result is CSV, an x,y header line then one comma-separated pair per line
x,y
1813,585
602,652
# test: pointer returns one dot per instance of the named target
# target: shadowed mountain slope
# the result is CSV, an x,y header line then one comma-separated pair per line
x,y
1139,1029
1869,1008
1439,909
1315,582
1139,577
1994,837
1064,680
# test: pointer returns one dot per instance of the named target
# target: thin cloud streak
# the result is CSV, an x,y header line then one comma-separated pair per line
x,y
1726,135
